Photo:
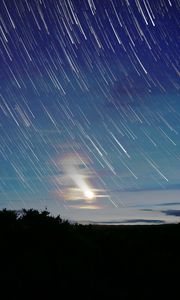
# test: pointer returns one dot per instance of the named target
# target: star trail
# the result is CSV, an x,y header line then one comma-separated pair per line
x,y
90,108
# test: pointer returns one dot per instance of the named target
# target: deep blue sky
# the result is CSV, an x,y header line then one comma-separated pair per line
x,y
90,108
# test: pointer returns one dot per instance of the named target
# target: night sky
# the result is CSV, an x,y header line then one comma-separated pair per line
x,y
90,109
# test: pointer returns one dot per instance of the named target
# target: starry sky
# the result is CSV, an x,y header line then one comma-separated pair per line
x,y
90,109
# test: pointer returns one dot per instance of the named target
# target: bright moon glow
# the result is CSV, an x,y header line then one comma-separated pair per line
x,y
89,194
72,170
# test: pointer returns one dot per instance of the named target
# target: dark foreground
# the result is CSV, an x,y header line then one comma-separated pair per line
x,y
47,258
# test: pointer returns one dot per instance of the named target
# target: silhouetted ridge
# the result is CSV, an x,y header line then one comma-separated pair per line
x,y
42,256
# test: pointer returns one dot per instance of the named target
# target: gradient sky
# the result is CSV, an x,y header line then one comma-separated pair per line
x,y
90,109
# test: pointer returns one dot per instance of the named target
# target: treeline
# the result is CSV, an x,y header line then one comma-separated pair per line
x,y
46,257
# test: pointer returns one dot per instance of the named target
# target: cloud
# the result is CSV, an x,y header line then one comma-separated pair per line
x,y
144,221
168,204
147,209
172,212
161,204
168,187
132,221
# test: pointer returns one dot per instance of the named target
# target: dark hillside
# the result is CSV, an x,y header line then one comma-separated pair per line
x,y
47,258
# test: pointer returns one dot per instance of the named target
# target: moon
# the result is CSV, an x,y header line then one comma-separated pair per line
x,y
89,194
